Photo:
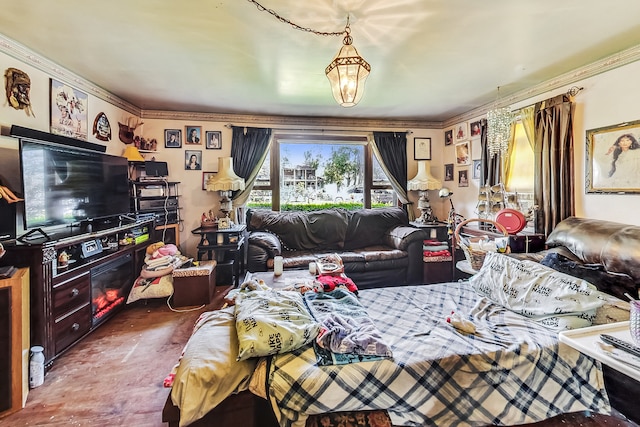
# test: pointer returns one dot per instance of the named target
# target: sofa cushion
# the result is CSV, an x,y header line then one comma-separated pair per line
x,y
325,229
368,227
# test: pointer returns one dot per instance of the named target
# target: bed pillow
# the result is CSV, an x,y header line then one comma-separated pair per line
x,y
553,299
157,287
272,322
208,371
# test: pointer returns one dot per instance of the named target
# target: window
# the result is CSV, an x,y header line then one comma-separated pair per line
x,y
309,172
520,177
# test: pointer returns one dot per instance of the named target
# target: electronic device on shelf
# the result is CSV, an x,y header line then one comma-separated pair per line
x,y
91,247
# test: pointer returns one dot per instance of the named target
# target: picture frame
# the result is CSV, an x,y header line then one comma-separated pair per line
x,y
448,137
462,153
213,140
448,172
422,148
463,178
477,168
172,138
475,129
461,131
205,178
193,135
224,223
193,160
613,159
68,110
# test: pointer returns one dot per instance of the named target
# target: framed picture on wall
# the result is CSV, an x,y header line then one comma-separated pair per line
x,y
448,172
448,137
205,178
193,135
422,148
476,169
460,131
462,153
463,178
172,138
613,159
475,129
193,159
213,140
68,112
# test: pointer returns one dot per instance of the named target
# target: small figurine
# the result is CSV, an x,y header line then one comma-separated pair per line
x,y
63,260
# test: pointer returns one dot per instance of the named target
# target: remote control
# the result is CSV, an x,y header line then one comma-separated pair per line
x,y
621,344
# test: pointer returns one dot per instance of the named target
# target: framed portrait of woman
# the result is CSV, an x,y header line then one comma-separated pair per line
x,y
193,160
462,153
193,135
213,140
613,159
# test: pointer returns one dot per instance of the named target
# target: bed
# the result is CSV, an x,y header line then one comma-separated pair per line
x,y
512,370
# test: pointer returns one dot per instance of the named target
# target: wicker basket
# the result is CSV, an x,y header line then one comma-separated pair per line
x,y
475,256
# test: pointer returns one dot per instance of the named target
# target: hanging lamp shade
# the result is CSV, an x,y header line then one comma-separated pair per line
x,y
423,179
132,154
347,73
226,179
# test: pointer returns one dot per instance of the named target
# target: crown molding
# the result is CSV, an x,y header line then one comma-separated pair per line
x,y
609,63
24,54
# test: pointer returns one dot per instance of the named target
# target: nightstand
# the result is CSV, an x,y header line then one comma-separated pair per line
x,y
438,268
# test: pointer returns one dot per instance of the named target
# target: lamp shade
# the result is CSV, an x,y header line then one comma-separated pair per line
x,y
423,179
226,179
132,154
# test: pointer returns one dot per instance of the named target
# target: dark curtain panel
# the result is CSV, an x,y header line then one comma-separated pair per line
x,y
248,149
490,171
392,147
554,190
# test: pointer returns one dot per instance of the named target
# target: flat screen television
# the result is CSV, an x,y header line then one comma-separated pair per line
x,y
66,185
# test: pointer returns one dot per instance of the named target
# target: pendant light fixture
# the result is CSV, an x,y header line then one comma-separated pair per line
x,y
347,72
498,128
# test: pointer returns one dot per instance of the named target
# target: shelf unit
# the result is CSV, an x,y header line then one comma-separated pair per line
x,y
158,199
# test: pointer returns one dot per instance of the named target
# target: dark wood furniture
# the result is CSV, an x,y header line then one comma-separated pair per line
x,y
441,268
14,339
63,299
194,285
227,246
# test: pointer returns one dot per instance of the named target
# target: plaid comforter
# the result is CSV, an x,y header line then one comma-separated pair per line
x,y
511,371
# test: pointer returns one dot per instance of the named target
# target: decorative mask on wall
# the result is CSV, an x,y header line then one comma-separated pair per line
x,y
126,130
102,127
18,86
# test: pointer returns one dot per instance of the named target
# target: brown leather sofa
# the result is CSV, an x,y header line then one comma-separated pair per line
x,y
378,246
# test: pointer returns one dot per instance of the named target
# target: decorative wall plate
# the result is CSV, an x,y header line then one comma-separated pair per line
x,y
102,127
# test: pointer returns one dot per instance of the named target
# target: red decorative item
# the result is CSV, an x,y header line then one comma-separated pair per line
x,y
512,220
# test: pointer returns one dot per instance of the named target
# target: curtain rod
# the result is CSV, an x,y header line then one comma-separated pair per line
x,y
230,125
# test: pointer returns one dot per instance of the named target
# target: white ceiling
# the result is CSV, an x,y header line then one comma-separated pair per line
x,y
431,59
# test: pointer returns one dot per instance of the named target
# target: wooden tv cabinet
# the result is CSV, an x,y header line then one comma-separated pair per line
x,y
68,302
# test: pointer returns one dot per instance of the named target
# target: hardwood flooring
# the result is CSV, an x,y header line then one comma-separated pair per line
x,y
114,377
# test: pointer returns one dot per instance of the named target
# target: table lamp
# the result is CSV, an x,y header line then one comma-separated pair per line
x,y
225,181
423,182
133,156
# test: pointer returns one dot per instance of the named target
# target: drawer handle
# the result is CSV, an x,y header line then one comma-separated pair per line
x,y
75,292
75,327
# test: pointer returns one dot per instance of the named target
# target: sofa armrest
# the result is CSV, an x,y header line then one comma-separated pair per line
x,y
402,236
267,241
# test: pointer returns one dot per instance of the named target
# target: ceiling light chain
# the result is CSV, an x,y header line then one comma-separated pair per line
x,y
294,25
347,71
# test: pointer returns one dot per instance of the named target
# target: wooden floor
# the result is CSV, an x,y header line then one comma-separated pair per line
x,y
114,376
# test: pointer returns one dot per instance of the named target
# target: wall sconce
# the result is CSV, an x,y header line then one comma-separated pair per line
x,y
225,181
423,182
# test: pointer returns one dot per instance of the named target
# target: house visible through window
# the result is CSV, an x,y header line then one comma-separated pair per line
x,y
310,172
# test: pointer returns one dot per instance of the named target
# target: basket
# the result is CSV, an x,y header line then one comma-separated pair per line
x,y
475,256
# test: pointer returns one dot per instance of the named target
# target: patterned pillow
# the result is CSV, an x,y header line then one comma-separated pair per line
x,y
272,322
553,299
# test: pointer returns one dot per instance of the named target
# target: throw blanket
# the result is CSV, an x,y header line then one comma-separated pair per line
x,y
345,325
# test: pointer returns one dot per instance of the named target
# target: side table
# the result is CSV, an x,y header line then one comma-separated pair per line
x,y
227,247
436,269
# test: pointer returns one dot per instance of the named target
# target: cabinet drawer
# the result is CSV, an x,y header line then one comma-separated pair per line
x,y
70,328
70,295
